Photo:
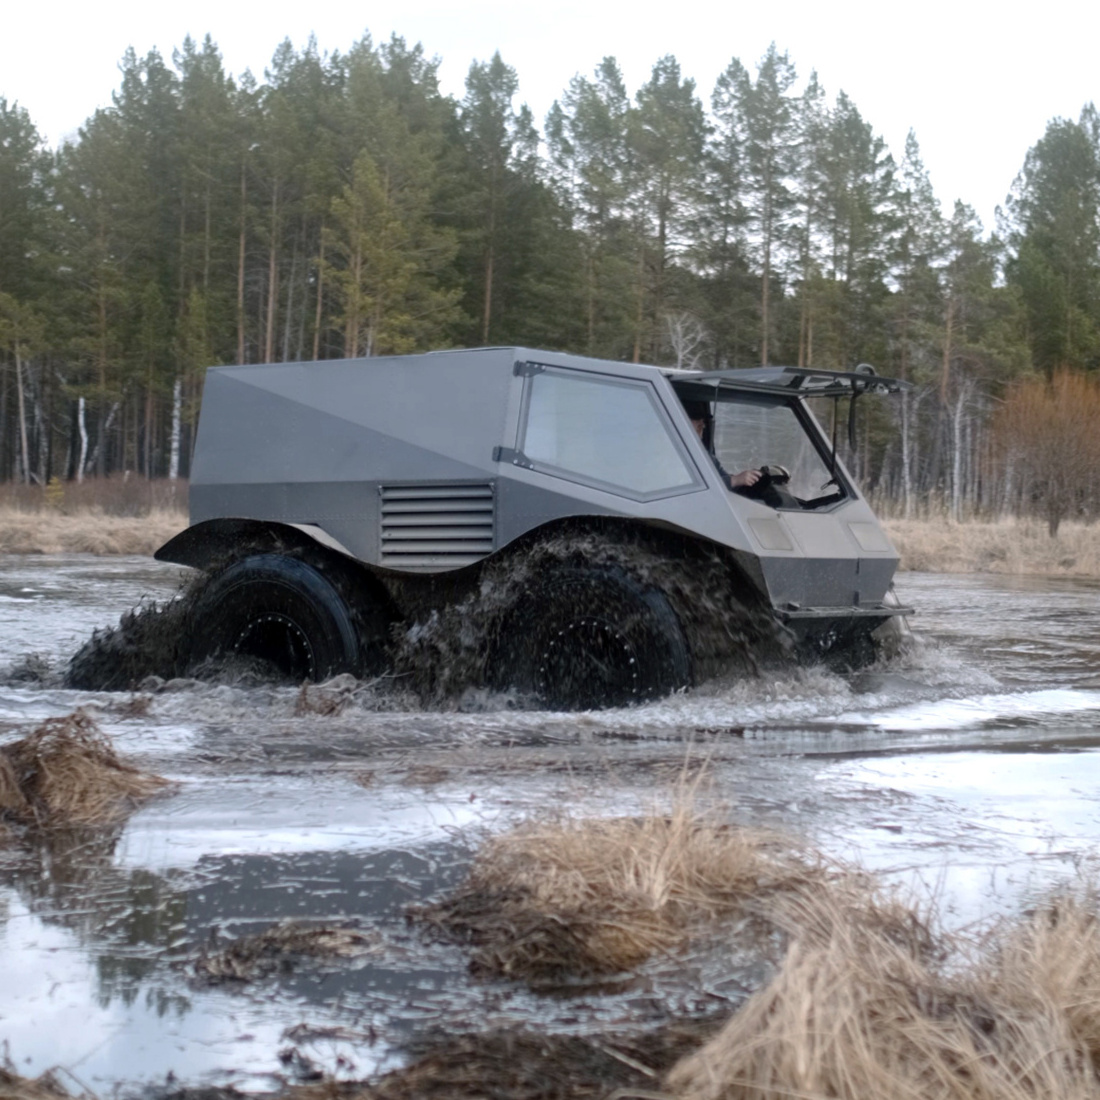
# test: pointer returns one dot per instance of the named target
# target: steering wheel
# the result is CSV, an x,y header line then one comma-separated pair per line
x,y
770,488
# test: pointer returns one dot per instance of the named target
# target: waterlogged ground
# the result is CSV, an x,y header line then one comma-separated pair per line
x,y
968,768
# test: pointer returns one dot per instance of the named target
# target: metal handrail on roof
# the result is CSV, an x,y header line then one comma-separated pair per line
x,y
805,381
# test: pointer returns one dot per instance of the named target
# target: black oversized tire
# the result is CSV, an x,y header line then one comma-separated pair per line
x,y
280,611
588,637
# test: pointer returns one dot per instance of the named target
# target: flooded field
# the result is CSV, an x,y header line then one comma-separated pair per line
x,y
967,767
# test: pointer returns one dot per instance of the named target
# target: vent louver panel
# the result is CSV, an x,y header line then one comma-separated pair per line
x,y
430,527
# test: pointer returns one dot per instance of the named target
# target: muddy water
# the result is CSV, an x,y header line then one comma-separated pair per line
x,y
968,766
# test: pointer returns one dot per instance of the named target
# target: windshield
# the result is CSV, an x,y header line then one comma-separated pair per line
x,y
750,433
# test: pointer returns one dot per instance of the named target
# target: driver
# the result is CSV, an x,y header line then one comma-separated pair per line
x,y
699,413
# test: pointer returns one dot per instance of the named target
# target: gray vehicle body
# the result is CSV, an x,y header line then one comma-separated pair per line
x,y
428,464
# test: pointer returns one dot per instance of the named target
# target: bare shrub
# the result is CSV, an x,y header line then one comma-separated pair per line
x,y
1049,446
277,948
66,772
596,897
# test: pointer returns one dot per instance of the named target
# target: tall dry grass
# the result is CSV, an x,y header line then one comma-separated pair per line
x,y
99,516
51,533
857,1011
1012,546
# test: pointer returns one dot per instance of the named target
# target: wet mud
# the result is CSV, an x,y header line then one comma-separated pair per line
x,y
965,766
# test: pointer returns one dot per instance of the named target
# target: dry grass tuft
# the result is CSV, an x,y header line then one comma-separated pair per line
x,y
861,1007
14,1086
596,897
65,773
277,949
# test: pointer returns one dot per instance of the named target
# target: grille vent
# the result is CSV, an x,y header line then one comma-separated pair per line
x,y
430,527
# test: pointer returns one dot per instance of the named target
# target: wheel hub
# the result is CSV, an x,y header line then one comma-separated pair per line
x,y
280,641
588,662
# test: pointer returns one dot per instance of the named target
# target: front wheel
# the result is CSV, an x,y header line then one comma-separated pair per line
x,y
588,637
279,611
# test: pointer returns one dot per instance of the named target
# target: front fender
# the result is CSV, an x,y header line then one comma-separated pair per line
x,y
214,540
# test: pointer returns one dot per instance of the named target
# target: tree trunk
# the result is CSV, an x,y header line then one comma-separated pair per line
x,y
174,449
22,417
945,376
486,316
957,452
906,458
272,279
320,296
82,427
240,269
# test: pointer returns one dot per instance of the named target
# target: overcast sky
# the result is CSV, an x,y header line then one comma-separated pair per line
x,y
977,81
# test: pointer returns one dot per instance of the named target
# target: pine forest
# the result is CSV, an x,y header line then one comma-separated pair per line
x,y
344,207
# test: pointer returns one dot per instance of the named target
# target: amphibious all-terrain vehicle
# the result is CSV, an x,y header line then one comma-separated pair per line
x,y
528,520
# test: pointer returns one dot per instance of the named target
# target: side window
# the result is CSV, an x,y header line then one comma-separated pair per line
x,y
607,432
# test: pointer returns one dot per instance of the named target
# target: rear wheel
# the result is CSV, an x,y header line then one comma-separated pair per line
x,y
280,611
589,637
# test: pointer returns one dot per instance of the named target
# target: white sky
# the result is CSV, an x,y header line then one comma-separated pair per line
x,y
977,81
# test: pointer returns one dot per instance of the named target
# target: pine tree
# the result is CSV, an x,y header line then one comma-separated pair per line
x,y
769,112
720,248
586,134
1054,234
667,135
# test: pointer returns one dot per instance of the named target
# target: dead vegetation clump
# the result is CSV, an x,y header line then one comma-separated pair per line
x,y
13,1086
596,897
519,1064
67,773
277,950
860,1007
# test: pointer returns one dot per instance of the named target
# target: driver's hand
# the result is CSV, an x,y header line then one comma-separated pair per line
x,y
746,479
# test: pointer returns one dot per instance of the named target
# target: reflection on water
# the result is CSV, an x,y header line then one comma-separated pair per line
x,y
967,764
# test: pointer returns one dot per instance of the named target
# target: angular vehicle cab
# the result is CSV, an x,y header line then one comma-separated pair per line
x,y
564,514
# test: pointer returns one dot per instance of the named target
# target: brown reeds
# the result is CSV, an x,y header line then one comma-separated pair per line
x,y
277,949
595,897
862,1007
65,773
